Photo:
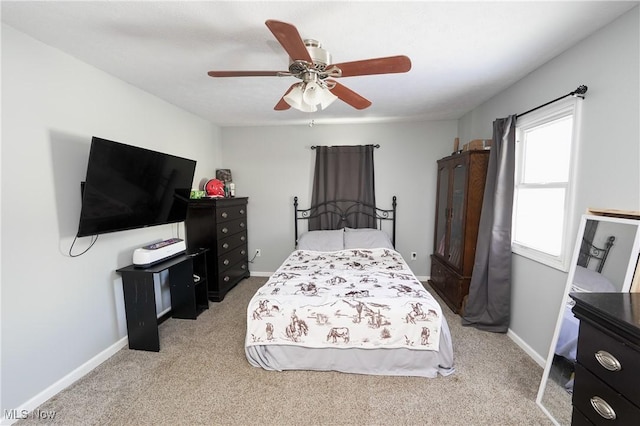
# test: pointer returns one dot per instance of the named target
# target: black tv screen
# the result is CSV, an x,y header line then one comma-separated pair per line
x,y
129,187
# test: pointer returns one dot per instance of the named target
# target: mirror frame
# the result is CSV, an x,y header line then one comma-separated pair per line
x,y
626,286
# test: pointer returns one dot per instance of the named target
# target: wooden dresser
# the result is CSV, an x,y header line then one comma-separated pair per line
x,y
220,224
607,374
461,181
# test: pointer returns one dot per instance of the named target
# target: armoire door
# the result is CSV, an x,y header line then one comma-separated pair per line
x,y
458,209
442,212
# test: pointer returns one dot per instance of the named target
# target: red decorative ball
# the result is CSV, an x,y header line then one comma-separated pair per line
x,y
214,188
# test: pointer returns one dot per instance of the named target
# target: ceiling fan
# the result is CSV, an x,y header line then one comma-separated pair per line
x,y
311,64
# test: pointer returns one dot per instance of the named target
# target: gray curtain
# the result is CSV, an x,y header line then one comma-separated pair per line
x,y
343,173
489,302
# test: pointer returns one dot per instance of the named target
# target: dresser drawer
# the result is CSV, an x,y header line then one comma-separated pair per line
x,y
231,242
597,349
233,274
231,227
595,400
232,257
579,419
226,213
448,284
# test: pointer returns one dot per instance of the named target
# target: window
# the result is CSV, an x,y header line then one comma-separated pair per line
x,y
546,148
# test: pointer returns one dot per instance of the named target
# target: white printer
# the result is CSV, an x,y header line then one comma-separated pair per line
x,y
157,252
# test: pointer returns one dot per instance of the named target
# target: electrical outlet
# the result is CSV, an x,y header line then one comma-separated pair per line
x,y
414,255
258,252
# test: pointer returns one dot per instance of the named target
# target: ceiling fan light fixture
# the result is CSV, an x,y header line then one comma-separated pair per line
x,y
295,98
325,97
311,93
307,96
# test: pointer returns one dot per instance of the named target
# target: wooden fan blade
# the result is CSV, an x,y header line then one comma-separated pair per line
x,y
388,65
349,96
282,104
245,73
290,39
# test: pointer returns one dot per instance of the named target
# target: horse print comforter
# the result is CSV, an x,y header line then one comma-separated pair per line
x,y
364,298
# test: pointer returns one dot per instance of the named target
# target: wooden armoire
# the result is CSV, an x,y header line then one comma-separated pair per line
x,y
461,181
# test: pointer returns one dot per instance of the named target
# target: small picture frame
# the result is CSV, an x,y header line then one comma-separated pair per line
x,y
224,175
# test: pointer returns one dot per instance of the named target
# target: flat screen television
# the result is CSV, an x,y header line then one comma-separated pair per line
x,y
129,187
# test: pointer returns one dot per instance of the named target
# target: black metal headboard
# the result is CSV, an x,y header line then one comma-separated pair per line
x,y
588,251
343,209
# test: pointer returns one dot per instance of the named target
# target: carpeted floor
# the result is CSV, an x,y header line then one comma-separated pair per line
x,y
201,376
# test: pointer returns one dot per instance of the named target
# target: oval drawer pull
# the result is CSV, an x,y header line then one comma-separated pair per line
x,y
225,262
225,230
225,245
602,408
226,279
224,215
608,361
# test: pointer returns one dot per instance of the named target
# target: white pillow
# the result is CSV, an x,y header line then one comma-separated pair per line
x,y
322,240
366,238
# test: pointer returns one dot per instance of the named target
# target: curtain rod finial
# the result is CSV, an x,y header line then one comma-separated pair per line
x,y
581,90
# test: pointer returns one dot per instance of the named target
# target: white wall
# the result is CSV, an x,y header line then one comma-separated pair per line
x,y
271,165
58,312
608,160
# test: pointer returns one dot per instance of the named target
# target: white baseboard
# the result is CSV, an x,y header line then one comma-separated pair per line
x,y
27,407
261,274
528,349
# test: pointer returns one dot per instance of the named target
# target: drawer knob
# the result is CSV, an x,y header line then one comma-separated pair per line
x,y
241,211
243,252
224,215
226,262
242,225
608,361
225,230
244,266
602,408
243,238
226,279
225,245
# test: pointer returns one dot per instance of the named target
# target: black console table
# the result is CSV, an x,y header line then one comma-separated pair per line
x,y
188,288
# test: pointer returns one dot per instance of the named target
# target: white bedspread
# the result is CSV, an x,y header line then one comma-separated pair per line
x,y
363,298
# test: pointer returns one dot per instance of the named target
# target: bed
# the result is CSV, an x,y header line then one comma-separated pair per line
x,y
345,300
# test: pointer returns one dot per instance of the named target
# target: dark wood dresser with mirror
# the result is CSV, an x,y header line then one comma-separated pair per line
x,y
607,373
220,224
461,181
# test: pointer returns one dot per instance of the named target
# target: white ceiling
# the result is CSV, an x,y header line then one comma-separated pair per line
x,y
462,53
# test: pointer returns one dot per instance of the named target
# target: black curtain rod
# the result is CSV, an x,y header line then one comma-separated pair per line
x,y
579,92
314,146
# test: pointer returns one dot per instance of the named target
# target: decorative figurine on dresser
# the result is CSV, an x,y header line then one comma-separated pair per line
x,y
607,388
461,181
220,224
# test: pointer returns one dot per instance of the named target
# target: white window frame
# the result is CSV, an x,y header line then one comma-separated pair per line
x,y
555,111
